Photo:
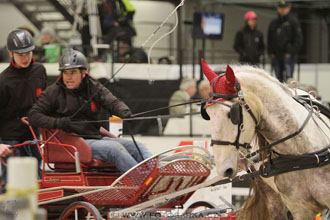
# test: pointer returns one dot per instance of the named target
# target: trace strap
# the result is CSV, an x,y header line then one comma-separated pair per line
x,y
288,163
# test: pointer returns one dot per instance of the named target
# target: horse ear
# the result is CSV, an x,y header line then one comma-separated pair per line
x,y
210,75
230,77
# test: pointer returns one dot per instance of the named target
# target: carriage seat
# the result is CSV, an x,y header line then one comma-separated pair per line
x,y
64,158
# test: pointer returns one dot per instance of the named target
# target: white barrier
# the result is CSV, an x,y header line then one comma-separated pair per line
x,y
317,75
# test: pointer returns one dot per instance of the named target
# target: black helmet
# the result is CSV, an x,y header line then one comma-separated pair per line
x,y
73,59
20,41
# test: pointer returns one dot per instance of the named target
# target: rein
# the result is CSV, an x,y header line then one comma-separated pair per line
x,y
134,118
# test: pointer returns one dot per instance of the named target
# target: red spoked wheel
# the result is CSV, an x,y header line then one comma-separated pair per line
x,y
81,211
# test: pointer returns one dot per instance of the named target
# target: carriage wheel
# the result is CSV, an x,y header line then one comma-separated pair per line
x,y
81,211
199,206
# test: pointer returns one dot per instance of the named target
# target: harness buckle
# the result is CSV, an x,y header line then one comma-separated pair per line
x,y
318,159
246,106
241,126
240,95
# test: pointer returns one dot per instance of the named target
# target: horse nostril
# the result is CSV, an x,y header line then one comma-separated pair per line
x,y
229,172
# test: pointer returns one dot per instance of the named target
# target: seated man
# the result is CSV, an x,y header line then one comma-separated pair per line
x,y
204,89
63,98
130,54
184,94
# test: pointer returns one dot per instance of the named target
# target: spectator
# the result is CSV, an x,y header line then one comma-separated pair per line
x,y
50,49
284,41
116,18
249,41
64,98
21,84
184,94
204,89
128,53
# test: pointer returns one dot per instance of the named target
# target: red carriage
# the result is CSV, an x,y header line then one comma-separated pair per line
x,y
73,185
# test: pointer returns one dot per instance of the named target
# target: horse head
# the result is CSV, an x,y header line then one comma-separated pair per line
x,y
231,124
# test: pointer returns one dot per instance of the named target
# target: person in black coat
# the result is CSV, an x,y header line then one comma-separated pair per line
x,y
249,41
76,97
284,41
21,84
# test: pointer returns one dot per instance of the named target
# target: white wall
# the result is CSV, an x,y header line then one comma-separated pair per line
x,y
11,18
148,16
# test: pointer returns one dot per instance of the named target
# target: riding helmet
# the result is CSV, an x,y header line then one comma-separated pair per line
x,y
73,59
20,41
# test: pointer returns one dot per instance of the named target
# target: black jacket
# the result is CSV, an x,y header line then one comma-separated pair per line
x,y
19,90
284,36
249,44
57,101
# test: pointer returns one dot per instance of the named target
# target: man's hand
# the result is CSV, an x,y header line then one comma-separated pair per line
x,y
4,150
126,114
62,123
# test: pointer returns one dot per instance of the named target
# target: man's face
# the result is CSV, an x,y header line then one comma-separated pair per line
x,y
204,92
22,60
72,78
282,11
123,47
192,90
46,38
252,23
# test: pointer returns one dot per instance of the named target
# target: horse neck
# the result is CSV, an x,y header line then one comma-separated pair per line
x,y
281,116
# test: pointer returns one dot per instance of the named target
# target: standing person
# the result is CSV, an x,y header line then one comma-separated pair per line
x,y
21,83
284,41
117,19
249,42
63,98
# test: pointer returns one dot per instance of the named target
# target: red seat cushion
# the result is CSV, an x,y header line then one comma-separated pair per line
x,y
55,153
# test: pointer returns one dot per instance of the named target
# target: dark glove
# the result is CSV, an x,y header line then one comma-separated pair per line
x,y
62,123
126,114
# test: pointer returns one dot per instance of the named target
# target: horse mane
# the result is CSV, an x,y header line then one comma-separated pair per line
x,y
255,206
258,75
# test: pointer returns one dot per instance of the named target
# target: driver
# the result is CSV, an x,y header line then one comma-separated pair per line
x,y
63,98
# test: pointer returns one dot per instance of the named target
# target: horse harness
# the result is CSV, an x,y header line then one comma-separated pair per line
x,y
235,113
276,163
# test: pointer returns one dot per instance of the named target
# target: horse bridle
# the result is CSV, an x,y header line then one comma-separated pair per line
x,y
235,113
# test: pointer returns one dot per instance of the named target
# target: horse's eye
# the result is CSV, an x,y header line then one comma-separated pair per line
x,y
228,114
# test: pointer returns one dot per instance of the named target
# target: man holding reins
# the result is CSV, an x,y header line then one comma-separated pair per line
x,y
60,105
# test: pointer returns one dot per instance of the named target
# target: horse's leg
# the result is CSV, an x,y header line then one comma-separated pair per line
x,y
263,203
